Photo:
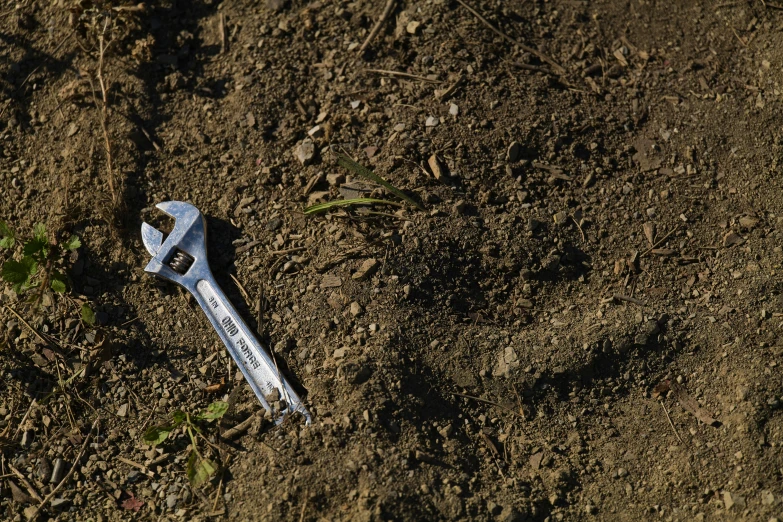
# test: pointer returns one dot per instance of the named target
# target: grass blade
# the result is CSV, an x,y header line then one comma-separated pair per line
x,y
323,207
366,173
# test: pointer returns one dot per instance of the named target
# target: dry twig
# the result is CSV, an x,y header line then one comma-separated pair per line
x,y
377,28
541,56
405,75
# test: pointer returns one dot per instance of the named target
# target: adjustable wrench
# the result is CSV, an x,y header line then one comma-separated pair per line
x,y
182,259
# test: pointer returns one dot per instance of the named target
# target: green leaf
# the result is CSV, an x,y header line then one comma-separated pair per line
x,y
156,434
323,207
39,232
35,246
58,282
199,469
366,173
73,243
88,316
19,272
214,411
7,236
179,417
58,285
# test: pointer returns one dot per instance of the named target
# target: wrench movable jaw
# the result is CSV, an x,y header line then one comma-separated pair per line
x,y
188,237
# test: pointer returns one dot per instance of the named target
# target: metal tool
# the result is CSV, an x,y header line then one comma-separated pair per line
x,y
182,259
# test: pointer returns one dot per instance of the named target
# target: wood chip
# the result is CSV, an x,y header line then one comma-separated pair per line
x,y
331,281
649,232
438,168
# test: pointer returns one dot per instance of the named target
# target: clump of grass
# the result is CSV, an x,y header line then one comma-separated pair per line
x,y
360,170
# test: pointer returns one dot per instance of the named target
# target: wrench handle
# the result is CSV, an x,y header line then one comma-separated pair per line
x,y
253,359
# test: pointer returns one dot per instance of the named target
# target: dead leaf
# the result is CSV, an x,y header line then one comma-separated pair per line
x,y
690,404
132,503
660,389
731,239
217,387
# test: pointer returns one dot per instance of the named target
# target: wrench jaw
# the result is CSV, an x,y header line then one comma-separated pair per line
x,y
188,237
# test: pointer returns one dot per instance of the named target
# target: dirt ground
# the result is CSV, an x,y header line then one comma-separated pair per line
x,y
582,324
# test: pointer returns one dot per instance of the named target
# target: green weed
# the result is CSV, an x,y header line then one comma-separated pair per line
x,y
199,468
37,269
360,170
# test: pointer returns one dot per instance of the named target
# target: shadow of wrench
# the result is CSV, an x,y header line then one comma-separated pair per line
x,y
182,259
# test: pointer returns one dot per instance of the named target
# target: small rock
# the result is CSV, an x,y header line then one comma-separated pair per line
x,y
507,361
355,104
171,501
356,309
453,109
767,498
732,239
356,373
27,438
72,129
275,5
532,225
273,224
122,411
316,132
513,152
748,222
432,121
438,167
246,201
561,218
510,514
58,472
60,503
460,207
44,469
367,269
335,179
728,501
317,197
413,27
305,152
340,353
19,496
